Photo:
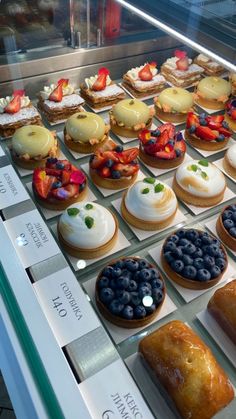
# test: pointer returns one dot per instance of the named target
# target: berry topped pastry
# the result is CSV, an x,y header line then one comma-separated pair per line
x,y
230,113
173,104
15,112
59,184
59,100
100,90
180,71
207,132
162,148
210,67
144,80
213,92
130,292
112,167
226,226
193,258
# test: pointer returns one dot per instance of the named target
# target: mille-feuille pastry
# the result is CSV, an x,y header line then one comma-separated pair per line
x,y
59,184
229,161
85,132
210,67
87,230
180,71
129,117
207,132
100,90
230,113
173,104
222,307
32,145
162,148
212,92
15,112
188,370
144,80
149,205
194,259
232,78
112,167
226,226
199,183
59,100
130,292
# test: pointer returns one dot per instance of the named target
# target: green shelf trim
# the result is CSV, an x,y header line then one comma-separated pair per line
x,y
30,351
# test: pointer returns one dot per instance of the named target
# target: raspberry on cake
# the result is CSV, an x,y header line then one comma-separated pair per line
x,y
193,258
144,80
210,67
58,101
207,132
59,184
100,90
230,113
112,167
173,104
226,226
130,292
212,92
162,148
15,112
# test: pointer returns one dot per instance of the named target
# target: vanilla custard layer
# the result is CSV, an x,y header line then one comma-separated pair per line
x,y
33,140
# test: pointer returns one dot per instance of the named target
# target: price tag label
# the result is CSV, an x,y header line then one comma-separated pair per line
x,y
31,238
66,306
112,394
1,152
11,189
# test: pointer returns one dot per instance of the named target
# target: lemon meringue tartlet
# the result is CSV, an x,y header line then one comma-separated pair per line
x,y
173,104
213,92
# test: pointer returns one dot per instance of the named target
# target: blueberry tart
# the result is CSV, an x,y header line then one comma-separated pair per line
x,y
194,259
226,226
130,292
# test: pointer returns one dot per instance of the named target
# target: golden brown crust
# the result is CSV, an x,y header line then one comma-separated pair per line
x,y
142,93
56,204
223,233
210,104
8,130
34,163
209,70
187,369
99,102
129,132
115,184
231,122
184,81
57,114
159,163
205,145
228,168
84,148
169,116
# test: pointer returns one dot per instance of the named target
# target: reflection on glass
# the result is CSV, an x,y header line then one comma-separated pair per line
x,y
81,264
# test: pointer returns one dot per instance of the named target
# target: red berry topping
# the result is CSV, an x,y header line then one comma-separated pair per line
x,y
145,73
57,94
100,83
182,64
180,54
206,134
14,105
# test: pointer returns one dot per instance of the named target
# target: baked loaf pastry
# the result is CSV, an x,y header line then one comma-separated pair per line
x,y
17,111
130,292
32,145
85,132
173,104
207,132
199,183
229,161
129,117
230,113
162,148
149,205
213,92
194,259
144,80
222,306
226,226
188,370
210,67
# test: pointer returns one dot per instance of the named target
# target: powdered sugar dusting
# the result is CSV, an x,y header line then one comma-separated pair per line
x,y
193,68
158,79
67,101
111,90
24,113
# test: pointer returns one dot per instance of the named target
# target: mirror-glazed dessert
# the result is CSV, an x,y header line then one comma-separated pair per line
x,y
173,104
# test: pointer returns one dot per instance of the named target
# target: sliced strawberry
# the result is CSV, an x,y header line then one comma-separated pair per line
x,y
170,128
66,192
111,155
192,119
153,147
164,138
105,172
213,125
42,182
97,160
145,73
77,177
53,172
227,133
180,54
20,93
100,83
127,156
233,114
205,133
165,155
180,145
63,82
217,118
182,64
126,170
13,106
57,94
144,135
65,177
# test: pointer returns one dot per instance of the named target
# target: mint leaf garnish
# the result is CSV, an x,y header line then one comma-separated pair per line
x,y
72,212
149,180
204,175
89,221
159,187
145,191
88,206
194,167
203,162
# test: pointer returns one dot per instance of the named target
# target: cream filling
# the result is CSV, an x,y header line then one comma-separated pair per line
x,y
4,101
89,81
133,72
47,90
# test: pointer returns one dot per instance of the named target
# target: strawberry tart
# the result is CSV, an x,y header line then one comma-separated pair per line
x,y
162,148
144,80
207,132
210,67
229,161
58,101
180,71
173,104
230,113
100,90
112,167
213,92
15,112
59,184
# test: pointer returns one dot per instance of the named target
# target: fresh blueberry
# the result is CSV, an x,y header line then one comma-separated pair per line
x,y
227,214
213,250
180,233
155,273
143,264
103,282
119,264
177,253
192,234
174,238
215,241
116,307
198,242
221,254
192,129
107,271
145,275
150,309
128,313
179,136
198,253
205,248
133,286
106,295
169,246
122,282
169,257
220,138
60,165
225,124
135,298
52,160
178,152
171,142
151,142
115,174
203,275
56,185
206,239
136,277
139,312
198,263
232,207
203,122
177,265
189,249
127,273
187,260
183,242
109,163
132,265
228,224
143,291
209,261
221,263
113,284
215,271
123,296
189,272
116,272
156,133
232,232
203,115
157,295
157,283
82,186
119,148
234,216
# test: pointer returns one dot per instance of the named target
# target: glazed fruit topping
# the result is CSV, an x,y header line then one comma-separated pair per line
x,y
195,254
229,220
145,74
15,104
131,288
101,81
208,127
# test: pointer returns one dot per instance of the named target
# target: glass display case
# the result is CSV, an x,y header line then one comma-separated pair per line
x,y
59,356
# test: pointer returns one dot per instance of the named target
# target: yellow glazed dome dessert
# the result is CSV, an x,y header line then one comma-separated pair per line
x,y
173,104
32,145
85,132
212,92
129,117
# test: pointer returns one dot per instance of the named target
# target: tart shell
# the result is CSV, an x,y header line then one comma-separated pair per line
x,y
231,122
128,132
107,183
160,163
84,148
205,145
169,116
31,163
210,104
223,233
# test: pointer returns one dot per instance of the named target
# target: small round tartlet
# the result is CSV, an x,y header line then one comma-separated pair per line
x,y
85,132
130,292
226,226
149,205
230,113
213,92
112,167
87,230
162,148
207,132
59,184
32,145
173,104
194,259
229,161
129,116
199,183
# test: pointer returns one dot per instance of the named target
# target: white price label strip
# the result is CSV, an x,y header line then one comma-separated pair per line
x,y
11,189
